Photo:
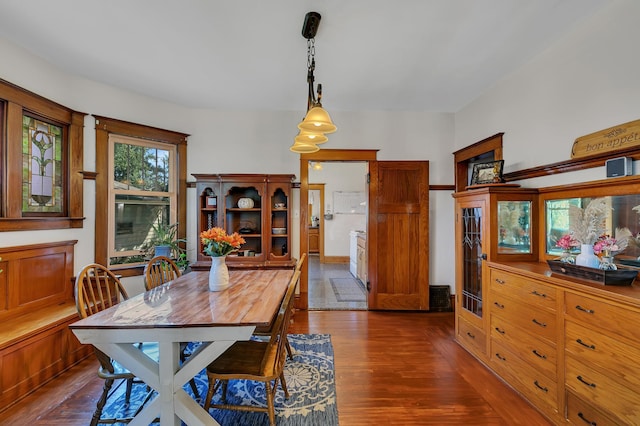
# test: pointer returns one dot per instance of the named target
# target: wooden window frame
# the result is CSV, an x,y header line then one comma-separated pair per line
x,y
17,102
106,126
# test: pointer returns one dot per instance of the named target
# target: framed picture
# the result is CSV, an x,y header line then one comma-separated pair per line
x,y
484,173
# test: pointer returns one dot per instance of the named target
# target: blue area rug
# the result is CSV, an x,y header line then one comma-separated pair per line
x,y
310,380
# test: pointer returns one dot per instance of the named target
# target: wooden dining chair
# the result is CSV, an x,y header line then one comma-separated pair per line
x,y
96,289
255,360
268,330
160,270
301,261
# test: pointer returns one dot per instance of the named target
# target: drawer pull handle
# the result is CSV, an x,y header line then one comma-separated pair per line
x,y
535,293
500,357
592,347
588,311
542,388
498,305
538,354
471,335
499,330
591,385
499,281
536,322
587,421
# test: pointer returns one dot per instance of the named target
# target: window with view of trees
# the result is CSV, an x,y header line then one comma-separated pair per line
x,y
142,194
140,182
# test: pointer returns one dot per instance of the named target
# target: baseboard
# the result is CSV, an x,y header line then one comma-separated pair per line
x,y
336,259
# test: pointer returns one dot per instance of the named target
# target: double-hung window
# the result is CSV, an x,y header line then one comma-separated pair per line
x,y
140,182
142,193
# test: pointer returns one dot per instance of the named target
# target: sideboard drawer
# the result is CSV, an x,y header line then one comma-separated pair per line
x,y
538,353
601,391
527,290
600,314
471,336
620,359
538,322
581,413
524,377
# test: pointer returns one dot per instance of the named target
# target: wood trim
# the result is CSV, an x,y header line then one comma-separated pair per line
x,y
336,259
88,175
463,157
320,187
341,155
570,165
13,207
120,127
442,187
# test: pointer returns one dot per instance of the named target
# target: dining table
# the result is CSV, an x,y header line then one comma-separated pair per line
x,y
183,310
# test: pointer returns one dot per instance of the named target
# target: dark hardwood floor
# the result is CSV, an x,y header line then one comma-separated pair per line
x,y
391,368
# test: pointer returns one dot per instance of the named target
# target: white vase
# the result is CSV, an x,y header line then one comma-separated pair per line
x,y
587,258
218,274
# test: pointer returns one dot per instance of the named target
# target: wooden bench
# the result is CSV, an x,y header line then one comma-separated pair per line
x,y
36,307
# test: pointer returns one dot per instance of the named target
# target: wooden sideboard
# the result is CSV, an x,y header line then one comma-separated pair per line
x,y
36,307
569,346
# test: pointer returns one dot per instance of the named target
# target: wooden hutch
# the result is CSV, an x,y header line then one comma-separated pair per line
x,y
264,221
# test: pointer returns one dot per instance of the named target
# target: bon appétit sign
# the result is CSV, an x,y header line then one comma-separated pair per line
x,y
613,139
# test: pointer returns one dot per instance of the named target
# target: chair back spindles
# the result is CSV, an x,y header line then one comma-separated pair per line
x,y
97,288
160,270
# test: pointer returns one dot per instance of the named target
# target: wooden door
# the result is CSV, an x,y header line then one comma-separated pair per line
x,y
398,234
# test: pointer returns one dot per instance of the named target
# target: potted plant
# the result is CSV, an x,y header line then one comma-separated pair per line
x,y
182,262
164,241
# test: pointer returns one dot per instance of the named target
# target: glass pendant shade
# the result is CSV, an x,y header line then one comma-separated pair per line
x,y
303,148
311,137
317,120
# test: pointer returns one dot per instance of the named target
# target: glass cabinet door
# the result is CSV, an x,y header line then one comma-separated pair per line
x,y
472,256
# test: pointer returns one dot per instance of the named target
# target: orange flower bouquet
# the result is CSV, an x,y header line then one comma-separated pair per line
x,y
218,243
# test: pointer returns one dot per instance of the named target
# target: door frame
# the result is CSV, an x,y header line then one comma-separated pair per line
x,y
320,187
337,155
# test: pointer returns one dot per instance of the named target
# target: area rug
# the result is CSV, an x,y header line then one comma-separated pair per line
x,y
310,380
347,290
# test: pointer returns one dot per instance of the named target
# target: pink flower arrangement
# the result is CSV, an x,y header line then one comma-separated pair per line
x,y
567,242
606,245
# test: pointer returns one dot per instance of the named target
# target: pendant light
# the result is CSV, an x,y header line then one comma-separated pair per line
x,y
317,121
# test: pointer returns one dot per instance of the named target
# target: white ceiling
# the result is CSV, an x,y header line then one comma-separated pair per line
x,y
427,55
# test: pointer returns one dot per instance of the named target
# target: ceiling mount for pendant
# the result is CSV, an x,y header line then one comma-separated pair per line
x,y
310,25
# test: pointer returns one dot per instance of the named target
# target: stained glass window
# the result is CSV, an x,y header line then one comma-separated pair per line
x,y
42,168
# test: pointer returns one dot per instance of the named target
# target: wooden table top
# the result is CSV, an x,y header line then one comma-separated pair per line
x,y
251,299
